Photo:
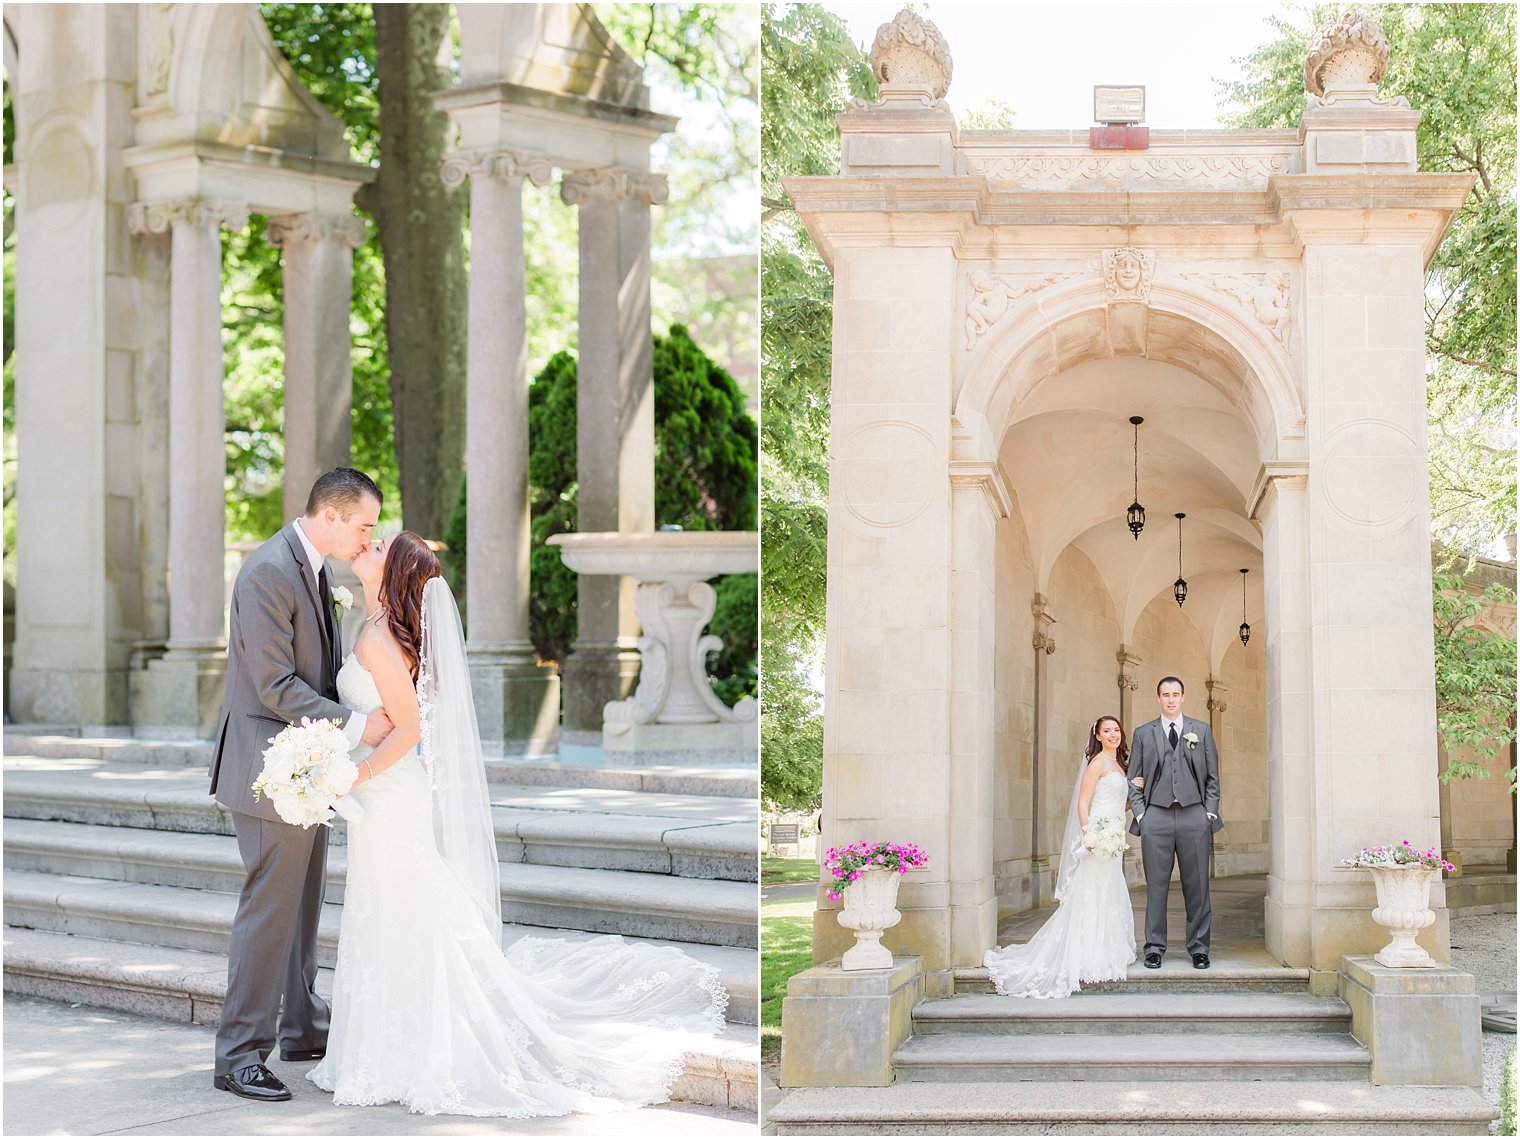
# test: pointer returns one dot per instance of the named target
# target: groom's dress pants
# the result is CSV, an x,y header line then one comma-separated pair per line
x,y
1179,835
274,945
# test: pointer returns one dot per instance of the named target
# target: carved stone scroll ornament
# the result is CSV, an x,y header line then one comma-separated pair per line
x,y
989,297
1128,273
613,182
910,52
344,228
1045,170
158,217
504,164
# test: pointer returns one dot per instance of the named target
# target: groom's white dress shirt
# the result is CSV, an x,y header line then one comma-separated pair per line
x,y
353,730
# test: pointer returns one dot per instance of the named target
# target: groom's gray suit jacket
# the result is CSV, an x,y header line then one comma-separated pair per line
x,y
1201,761
282,663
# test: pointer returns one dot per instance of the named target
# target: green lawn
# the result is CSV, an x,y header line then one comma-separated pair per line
x,y
786,947
778,871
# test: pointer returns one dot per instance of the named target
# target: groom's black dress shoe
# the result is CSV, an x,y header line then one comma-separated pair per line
x,y
253,1082
296,1057
1153,960
1200,961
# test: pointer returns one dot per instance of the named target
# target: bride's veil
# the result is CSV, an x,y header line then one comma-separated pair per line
x,y
1071,838
451,752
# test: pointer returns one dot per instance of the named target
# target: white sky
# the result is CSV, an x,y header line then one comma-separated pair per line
x,y
1043,59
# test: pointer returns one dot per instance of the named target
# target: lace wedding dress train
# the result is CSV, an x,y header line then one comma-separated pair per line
x,y
1090,937
430,1011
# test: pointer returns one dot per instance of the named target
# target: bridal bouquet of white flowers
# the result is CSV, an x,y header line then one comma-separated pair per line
x,y
306,769
1104,835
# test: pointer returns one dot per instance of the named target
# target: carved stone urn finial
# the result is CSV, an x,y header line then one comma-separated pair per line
x,y
910,52
1352,52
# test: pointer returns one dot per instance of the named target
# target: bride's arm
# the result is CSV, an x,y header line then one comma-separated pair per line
x,y
398,696
1090,779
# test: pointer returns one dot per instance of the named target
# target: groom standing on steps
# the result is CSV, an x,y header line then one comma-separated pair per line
x,y
283,654
1176,808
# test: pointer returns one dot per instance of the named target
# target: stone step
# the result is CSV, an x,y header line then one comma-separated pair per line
x,y
156,933
593,828
189,986
1131,1057
1231,1012
720,782
1176,975
1067,1107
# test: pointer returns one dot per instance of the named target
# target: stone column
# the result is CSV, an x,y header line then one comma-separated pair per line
x,y
80,521
516,700
1044,645
1219,703
319,391
183,690
1282,509
614,426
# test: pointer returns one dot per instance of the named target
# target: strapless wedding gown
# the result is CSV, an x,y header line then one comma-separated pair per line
x,y
430,1012
1090,937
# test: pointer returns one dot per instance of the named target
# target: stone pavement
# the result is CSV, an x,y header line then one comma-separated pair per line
x,y
90,1071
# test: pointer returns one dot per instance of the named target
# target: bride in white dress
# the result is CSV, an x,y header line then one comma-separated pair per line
x,y
428,1008
1091,936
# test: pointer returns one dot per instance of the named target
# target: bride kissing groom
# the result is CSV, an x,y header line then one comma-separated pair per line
x,y
429,1010
1172,776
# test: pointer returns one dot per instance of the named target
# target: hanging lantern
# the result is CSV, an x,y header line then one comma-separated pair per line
x,y
1179,587
1135,515
1245,630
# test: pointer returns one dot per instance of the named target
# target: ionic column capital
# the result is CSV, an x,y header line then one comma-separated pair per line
x,y
287,229
613,183
504,165
158,217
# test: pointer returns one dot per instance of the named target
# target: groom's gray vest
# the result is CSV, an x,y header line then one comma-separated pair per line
x,y
1175,781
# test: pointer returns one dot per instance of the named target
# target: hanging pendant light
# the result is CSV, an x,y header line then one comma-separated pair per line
x,y
1135,515
1245,630
1179,587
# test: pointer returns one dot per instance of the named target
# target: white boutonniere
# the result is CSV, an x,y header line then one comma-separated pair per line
x,y
1192,739
343,601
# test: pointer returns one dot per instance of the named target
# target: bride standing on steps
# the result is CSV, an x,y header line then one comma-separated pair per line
x,y
428,1008
1091,936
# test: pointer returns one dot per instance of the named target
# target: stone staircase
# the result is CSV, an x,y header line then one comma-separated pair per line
x,y
1241,1049
122,877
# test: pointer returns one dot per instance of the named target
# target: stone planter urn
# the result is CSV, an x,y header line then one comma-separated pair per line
x,y
1403,909
870,908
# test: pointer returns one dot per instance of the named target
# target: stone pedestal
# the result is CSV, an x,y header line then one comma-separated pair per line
x,y
516,703
179,695
840,1029
1422,1026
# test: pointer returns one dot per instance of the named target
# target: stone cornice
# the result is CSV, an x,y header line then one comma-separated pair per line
x,y
159,217
989,478
1271,471
637,120
287,229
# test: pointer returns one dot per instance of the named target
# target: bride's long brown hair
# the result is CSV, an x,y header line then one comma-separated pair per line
x,y
1094,745
409,565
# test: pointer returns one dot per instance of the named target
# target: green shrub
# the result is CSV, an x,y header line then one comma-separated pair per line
x,y
1507,1096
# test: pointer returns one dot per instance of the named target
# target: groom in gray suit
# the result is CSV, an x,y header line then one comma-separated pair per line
x,y
283,653
1176,808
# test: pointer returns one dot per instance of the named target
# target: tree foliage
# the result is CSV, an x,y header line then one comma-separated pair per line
x,y
810,69
1456,65
705,479
1475,676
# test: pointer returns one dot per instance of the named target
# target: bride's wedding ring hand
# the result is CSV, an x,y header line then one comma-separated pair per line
x,y
1139,781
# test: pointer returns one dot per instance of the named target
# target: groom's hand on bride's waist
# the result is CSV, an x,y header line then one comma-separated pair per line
x,y
377,727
